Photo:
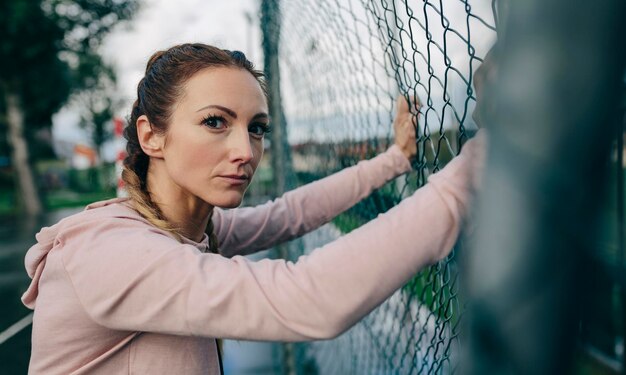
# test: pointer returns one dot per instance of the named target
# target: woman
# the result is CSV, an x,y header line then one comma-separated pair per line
x,y
131,285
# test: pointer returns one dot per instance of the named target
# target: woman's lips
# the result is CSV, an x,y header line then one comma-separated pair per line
x,y
236,179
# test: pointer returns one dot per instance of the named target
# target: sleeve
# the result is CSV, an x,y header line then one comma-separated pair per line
x,y
135,278
246,230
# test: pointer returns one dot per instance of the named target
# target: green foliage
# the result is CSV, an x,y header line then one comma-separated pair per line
x,y
97,105
78,187
49,49
88,22
7,202
67,198
29,63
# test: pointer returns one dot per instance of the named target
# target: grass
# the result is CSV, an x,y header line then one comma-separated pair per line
x,y
428,286
54,200
61,187
67,198
7,203
347,222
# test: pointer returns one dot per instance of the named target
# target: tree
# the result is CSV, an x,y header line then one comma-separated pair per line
x,y
97,106
32,78
48,50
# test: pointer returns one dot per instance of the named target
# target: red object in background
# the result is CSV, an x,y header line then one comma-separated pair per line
x,y
86,152
121,154
119,126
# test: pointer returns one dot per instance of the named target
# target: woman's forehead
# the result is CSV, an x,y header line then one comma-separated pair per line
x,y
230,87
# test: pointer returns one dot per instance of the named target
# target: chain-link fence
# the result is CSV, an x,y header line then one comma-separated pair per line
x,y
342,63
337,67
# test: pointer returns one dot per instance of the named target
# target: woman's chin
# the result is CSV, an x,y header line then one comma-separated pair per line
x,y
229,205
228,202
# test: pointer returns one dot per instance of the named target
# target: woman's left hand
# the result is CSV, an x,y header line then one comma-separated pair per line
x,y
405,125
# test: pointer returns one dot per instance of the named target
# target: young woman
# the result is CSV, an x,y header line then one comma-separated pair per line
x,y
144,285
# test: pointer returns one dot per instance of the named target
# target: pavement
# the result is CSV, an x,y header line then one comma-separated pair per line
x,y
16,236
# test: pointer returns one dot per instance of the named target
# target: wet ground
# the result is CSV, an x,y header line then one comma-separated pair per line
x,y
16,236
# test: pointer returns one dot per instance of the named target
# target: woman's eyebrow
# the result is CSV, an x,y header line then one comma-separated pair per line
x,y
230,112
261,115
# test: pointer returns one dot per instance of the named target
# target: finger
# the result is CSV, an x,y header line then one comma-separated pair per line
x,y
402,106
417,104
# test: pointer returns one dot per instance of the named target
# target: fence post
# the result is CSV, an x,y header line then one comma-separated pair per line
x,y
282,169
280,152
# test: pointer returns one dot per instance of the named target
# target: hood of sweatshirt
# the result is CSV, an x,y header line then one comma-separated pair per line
x,y
35,260
48,238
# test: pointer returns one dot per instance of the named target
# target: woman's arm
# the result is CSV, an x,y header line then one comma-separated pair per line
x,y
246,230
161,286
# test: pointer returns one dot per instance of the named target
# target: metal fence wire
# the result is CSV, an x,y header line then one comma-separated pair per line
x,y
342,65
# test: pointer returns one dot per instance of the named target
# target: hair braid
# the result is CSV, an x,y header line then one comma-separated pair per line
x,y
135,175
210,231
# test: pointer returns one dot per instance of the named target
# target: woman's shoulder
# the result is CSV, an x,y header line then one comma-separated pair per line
x,y
116,220
115,207
98,218
110,209
110,223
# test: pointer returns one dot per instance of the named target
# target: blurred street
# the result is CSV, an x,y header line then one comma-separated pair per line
x,y
16,236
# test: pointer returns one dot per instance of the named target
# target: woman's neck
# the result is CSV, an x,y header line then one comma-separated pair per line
x,y
183,210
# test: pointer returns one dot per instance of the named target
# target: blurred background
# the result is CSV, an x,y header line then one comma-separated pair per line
x,y
68,76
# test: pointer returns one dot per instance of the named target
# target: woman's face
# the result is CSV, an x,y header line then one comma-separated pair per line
x,y
214,141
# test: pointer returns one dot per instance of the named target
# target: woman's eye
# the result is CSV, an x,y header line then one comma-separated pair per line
x,y
214,122
258,129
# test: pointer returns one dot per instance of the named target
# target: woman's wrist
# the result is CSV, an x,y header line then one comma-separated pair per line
x,y
409,151
403,162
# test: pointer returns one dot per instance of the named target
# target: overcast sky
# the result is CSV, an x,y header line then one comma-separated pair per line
x,y
163,23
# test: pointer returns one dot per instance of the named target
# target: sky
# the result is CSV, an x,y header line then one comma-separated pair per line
x,y
158,25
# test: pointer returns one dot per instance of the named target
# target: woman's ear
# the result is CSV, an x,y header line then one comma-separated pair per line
x,y
150,141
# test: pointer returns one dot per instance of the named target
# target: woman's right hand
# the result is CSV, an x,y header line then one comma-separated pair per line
x,y
405,125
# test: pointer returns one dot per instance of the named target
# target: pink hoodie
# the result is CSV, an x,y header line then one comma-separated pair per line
x,y
114,295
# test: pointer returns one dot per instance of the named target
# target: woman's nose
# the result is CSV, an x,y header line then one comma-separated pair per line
x,y
240,146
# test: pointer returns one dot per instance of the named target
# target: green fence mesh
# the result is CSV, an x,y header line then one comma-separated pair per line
x,y
342,64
